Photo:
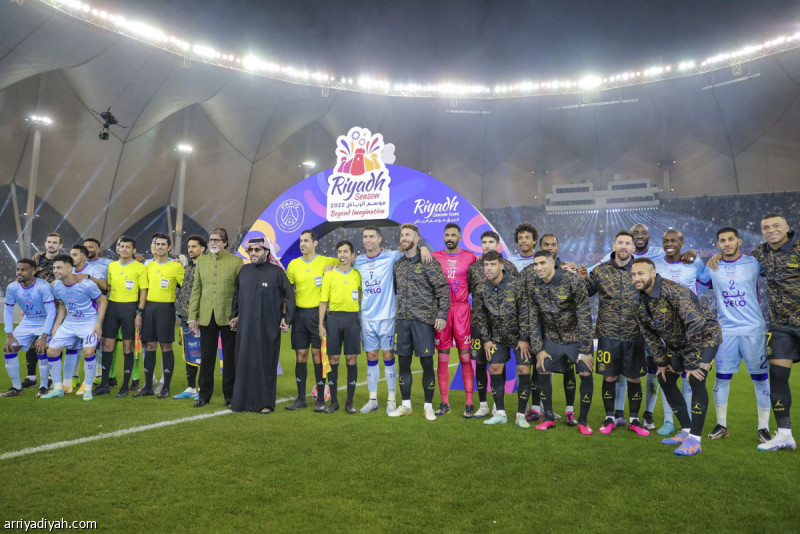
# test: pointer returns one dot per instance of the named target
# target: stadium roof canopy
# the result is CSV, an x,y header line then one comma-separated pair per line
x,y
734,128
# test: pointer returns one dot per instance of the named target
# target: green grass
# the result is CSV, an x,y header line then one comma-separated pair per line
x,y
307,472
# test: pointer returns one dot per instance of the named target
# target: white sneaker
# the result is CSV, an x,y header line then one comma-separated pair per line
x,y
390,406
403,410
779,442
483,411
429,415
370,406
521,422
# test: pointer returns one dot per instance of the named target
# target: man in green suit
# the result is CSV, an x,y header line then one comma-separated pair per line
x,y
210,311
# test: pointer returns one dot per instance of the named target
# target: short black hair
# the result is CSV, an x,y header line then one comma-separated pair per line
x,y
127,239
27,261
491,233
726,229
200,240
312,233
65,258
83,249
547,235
345,242
648,261
452,225
93,240
773,216
543,254
493,255
163,236
374,229
526,227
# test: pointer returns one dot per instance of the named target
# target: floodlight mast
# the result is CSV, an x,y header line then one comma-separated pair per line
x,y
38,122
183,151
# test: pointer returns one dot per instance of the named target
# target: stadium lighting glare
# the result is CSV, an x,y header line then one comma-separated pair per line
x,y
40,120
251,63
588,83
184,148
309,164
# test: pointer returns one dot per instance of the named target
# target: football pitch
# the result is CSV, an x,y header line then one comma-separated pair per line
x,y
153,465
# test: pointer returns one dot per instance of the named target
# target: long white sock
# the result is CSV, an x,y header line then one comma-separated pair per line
x,y
722,390
651,393
89,367
55,371
622,393
12,367
373,374
390,370
762,402
44,370
70,362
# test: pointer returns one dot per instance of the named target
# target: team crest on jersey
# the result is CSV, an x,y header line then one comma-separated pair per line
x,y
359,186
562,293
794,261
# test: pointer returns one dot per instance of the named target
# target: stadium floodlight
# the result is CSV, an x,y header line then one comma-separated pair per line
x,y
588,83
40,120
309,164
183,148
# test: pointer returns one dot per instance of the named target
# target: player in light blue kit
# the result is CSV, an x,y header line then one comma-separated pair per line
x,y
525,236
94,272
81,309
378,310
35,298
743,330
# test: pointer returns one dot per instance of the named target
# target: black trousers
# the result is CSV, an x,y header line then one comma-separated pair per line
x,y
208,347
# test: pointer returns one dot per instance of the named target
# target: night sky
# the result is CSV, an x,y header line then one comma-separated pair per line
x,y
470,41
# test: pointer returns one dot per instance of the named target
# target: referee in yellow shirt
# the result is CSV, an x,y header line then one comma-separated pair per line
x,y
164,276
305,274
127,291
341,289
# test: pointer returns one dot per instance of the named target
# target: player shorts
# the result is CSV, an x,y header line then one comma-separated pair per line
x,y
377,334
457,328
344,331
620,358
734,349
305,329
562,353
27,332
73,334
685,361
120,316
158,322
783,344
414,336
476,349
502,353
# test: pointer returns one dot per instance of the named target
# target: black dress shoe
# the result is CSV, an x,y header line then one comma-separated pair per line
x,y
200,403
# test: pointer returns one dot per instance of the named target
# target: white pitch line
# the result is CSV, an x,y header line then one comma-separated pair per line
x,y
136,429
